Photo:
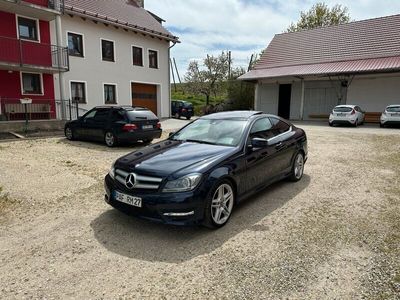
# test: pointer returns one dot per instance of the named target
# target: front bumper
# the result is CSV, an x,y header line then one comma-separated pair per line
x,y
168,208
139,135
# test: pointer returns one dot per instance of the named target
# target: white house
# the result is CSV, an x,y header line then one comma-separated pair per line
x,y
118,54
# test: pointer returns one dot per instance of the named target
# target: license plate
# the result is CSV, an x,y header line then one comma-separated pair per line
x,y
395,115
147,126
131,200
341,115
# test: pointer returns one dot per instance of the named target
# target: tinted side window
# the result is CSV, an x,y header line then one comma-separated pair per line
x,y
90,114
279,126
101,115
261,129
117,115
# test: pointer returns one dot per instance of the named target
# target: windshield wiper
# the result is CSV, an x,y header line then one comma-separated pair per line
x,y
198,141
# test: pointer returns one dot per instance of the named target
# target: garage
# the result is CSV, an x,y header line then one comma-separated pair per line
x,y
144,95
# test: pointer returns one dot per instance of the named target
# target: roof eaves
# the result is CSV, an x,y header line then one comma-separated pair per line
x,y
84,13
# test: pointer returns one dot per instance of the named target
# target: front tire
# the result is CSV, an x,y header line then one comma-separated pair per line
x,y
177,116
187,118
69,133
219,205
381,125
297,167
147,141
110,139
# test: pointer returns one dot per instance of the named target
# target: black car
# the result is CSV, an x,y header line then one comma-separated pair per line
x,y
199,173
180,108
115,124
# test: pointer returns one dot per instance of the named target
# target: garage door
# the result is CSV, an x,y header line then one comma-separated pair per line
x,y
319,102
145,95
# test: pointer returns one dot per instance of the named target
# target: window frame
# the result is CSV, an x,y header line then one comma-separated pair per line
x,y
101,50
37,22
83,44
139,47
41,84
86,90
157,58
116,93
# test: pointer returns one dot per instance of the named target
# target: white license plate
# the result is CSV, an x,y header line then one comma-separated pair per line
x,y
341,115
131,200
147,126
395,115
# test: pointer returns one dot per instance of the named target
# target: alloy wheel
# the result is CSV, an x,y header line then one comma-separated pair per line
x,y
109,139
69,134
222,204
299,166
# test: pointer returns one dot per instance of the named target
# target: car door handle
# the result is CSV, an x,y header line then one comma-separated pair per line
x,y
279,146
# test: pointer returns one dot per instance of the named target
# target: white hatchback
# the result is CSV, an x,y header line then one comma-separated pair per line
x,y
391,115
347,115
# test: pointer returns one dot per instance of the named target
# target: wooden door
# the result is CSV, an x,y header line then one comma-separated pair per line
x,y
145,95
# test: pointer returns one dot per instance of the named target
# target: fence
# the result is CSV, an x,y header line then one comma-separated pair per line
x,y
11,109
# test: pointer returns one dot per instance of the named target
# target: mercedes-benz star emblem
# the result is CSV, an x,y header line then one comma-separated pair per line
x,y
130,181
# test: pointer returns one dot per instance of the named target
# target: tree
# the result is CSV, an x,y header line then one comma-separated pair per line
x,y
208,78
240,93
320,15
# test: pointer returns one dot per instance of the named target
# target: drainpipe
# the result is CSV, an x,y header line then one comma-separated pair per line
x,y
169,78
302,100
60,74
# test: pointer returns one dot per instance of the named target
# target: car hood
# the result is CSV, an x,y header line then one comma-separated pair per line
x,y
174,158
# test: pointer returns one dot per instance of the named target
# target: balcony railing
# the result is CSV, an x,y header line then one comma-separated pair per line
x,y
57,5
33,55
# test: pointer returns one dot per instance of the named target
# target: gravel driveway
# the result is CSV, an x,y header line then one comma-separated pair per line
x,y
333,235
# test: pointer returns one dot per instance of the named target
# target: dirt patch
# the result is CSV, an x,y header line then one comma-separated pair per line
x,y
332,235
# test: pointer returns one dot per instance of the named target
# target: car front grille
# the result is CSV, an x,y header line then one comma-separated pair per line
x,y
140,181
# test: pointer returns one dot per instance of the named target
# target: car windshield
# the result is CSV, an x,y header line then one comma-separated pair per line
x,y
342,109
393,109
226,132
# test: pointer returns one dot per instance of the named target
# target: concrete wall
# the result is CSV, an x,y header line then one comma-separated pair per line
x,y
92,70
374,94
18,126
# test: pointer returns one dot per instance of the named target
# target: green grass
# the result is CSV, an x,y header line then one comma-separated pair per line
x,y
198,101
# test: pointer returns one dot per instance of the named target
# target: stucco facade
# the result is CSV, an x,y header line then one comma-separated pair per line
x,y
95,72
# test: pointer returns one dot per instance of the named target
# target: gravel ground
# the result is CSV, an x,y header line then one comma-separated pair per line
x,y
333,235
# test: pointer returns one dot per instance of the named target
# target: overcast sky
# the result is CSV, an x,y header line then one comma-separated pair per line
x,y
242,26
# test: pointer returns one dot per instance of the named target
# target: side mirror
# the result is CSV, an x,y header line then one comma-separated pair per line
x,y
259,143
171,133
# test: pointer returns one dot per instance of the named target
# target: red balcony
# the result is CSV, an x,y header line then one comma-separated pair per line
x,y
18,54
41,9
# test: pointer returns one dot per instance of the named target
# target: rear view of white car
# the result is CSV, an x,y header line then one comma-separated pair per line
x,y
391,116
347,115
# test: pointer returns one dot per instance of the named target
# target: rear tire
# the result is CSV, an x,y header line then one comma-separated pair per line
x,y
69,133
110,139
187,118
297,168
356,123
147,141
219,205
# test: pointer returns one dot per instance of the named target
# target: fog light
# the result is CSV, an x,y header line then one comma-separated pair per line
x,y
179,214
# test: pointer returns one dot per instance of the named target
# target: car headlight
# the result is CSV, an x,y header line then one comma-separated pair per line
x,y
112,171
183,184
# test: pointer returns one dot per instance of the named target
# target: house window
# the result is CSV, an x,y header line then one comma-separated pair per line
x,y
28,29
137,53
75,44
31,83
110,94
78,92
107,50
153,59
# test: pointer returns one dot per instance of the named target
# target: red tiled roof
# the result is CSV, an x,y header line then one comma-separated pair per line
x,y
362,46
121,12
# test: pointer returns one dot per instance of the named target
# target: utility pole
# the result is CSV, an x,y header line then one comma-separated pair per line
x,y
173,75
177,73
229,62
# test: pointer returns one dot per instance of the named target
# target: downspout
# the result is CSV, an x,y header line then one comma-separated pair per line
x,y
169,78
60,74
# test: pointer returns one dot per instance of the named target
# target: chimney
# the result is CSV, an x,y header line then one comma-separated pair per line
x,y
140,3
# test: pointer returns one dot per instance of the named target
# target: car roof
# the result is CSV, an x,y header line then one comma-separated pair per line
x,y
126,107
393,105
346,105
237,114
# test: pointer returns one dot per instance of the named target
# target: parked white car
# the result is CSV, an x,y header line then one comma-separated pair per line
x,y
347,115
391,115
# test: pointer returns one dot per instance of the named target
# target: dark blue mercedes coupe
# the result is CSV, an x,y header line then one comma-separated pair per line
x,y
202,171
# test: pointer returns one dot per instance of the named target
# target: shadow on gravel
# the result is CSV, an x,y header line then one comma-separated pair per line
x,y
145,240
101,146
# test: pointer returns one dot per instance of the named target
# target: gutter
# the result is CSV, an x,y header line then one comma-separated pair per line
x,y
115,22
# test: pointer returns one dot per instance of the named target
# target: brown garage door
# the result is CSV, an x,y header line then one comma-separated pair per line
x,y
145,95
